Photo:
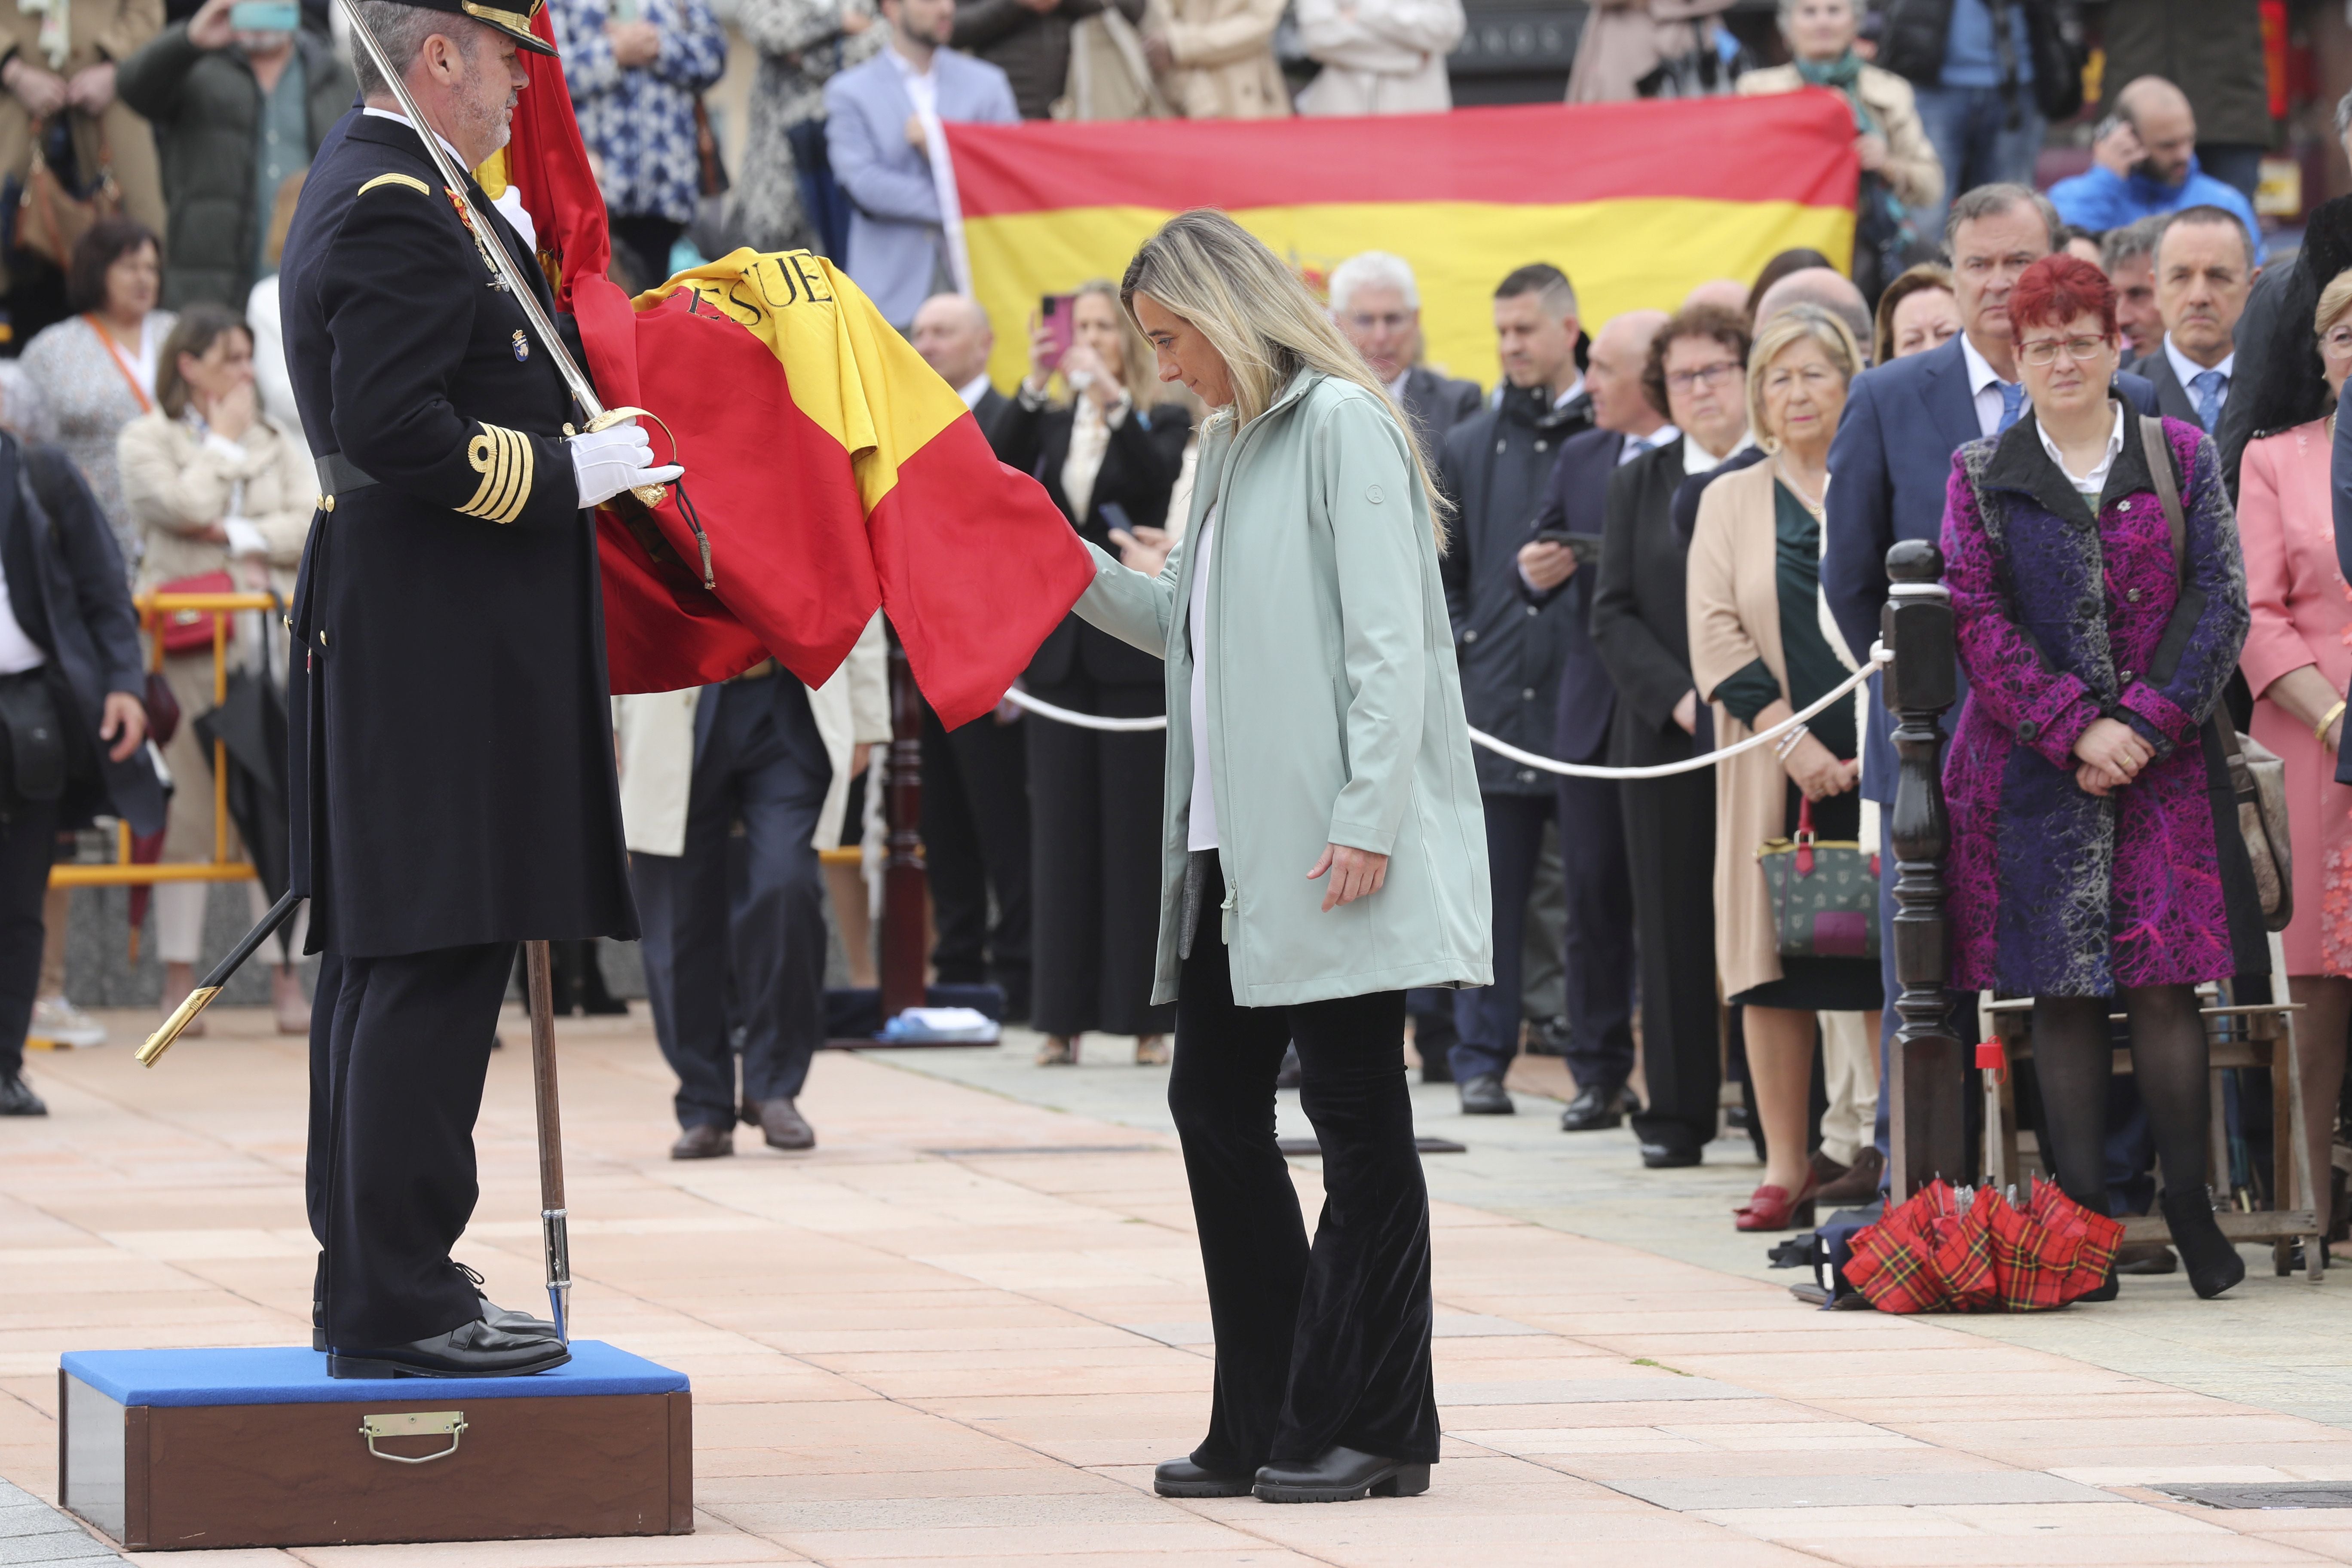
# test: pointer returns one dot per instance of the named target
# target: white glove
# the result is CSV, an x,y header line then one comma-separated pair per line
x,y
619,458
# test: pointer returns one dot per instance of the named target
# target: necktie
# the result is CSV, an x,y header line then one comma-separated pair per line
x,y
2012,404
2208,386
1634,447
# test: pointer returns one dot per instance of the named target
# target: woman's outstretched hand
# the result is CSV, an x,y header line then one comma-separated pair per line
x,y
1355,873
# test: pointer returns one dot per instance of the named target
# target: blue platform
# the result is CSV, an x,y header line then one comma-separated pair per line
x,y
298,1377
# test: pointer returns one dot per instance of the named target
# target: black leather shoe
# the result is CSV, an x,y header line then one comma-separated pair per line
x,y
1594,1109
2211,1257
1548,1036
505,1318
470,1350
784,1126
2146,1257
2105,1289
1340,1475
1484,1095
1182,1478
703,1141
1668,1156
16,1099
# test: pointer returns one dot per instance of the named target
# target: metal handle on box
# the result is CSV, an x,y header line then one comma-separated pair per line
x,y
415,1424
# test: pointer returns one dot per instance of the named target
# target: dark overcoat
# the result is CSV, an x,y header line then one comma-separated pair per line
x,y
451,778
2064,617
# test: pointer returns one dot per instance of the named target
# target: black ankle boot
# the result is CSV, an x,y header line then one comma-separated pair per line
x,y
2211,1258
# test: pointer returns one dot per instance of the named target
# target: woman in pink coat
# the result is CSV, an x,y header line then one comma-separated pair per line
x,y
2298,660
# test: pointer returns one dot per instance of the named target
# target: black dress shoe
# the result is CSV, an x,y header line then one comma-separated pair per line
x,y
1668,1156
2146,1257
2211,1257
16,1099
1484,1095
470,1350
784,1126
1182,1478
1340,1475
1594,1109
703,1141
1548,1036
499,1317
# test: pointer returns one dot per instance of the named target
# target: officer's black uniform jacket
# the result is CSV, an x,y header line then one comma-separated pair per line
x,y
452,757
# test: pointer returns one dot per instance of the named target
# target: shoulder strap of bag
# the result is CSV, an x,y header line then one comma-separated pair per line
x,y
130,378
2176,523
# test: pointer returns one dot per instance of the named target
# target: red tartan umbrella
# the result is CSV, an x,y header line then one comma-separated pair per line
x,y
1962,1250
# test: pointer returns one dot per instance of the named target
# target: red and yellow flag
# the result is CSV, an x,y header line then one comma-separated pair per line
x,y
1637,202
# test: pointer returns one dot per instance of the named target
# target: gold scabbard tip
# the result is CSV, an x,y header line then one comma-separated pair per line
x,y
161,1040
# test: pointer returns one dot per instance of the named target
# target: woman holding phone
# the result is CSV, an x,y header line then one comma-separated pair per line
x,y
1322,850
1108,457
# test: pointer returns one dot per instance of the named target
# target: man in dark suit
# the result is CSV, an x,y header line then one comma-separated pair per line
x,y
1493,466
976,779
1600,947
2204,271
1892,462
1376,303
451,774
69,644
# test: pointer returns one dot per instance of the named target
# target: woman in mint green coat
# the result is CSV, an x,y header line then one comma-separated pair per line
x,y
1324,850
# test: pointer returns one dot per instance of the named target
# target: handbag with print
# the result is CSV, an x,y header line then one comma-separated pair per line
x,y
1824,895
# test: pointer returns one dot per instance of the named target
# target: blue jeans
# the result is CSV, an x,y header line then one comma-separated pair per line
x,y
1969,128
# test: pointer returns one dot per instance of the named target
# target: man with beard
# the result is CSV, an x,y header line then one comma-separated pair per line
x,y
2144,162
451,781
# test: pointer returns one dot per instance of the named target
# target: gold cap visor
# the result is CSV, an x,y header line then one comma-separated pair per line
x,y
514,23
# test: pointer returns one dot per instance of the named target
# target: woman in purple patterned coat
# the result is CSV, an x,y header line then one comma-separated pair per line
x,y
2095,857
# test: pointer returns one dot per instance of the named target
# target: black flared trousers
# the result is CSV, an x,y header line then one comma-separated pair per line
x,y
1323,1345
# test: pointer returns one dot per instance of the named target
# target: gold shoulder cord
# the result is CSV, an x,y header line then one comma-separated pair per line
x,y
505,459
411,181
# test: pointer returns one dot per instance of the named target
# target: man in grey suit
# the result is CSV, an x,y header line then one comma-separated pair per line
x,y
882,121
1376,303
2204,271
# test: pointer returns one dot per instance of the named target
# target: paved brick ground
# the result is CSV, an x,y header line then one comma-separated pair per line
x,y
961,1330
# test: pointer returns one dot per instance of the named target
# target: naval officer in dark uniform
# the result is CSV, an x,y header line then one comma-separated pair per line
x,y
452,783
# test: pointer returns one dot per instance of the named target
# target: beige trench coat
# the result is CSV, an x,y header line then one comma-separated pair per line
x,y
95,30
1225,68
1380,57
1734,594
1912,170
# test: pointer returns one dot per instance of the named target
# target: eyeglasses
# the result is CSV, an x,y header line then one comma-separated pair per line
x,y
1711,374
2045,351
2338,342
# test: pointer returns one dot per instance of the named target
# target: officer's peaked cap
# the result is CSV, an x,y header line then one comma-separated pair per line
x,y
512,17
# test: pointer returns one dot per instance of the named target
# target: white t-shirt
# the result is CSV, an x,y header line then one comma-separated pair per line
x,y
17,651
1203,834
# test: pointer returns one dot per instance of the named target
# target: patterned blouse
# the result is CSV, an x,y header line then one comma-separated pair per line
x,y
640,120
88,401
800,45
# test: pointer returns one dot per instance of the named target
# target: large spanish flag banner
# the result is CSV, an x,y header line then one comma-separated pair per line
x,y
1636,202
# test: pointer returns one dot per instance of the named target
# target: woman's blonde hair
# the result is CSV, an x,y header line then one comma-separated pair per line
x,y
1783,331
1263,322
2333,301
1137,372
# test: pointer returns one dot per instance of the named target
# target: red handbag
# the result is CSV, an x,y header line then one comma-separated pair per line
x,y
186,631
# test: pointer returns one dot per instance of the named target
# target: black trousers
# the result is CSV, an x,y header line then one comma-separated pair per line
x,y
1094,816
1670,852
398,1049
1487,1018
28,844
1315,1346
764,764
976,842
1599,952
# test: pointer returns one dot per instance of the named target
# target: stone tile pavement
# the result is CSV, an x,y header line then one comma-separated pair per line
x,y
962,1330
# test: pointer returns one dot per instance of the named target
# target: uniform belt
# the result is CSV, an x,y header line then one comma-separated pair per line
x,y
337,475
760,671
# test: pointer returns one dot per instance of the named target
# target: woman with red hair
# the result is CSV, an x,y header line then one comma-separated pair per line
x,y
2096,859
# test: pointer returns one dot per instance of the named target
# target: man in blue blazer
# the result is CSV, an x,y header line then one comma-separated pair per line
x,y
1892,462
881,120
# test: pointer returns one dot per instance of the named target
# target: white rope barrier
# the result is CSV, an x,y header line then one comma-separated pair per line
x,y
1878,655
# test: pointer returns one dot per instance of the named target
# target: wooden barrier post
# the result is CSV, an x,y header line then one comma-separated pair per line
x,y
904,889
1924,1074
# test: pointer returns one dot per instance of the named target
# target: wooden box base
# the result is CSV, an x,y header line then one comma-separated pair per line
x,y
184,1449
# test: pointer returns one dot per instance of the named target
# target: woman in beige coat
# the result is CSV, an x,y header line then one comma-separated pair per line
x,y
1761,650
213,485
1215,58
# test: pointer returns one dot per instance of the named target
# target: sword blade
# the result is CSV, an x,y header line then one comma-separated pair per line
x,y
456,180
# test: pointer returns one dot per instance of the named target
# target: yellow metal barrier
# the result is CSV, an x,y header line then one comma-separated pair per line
x,y
124,872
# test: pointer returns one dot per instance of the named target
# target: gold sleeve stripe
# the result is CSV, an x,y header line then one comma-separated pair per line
x,y
411,181
505,459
